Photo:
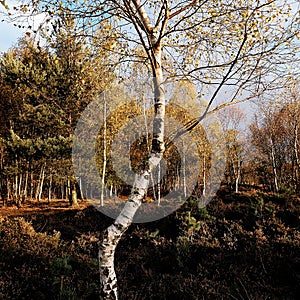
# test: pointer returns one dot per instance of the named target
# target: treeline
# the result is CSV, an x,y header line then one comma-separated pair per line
x,y
276,144
266,153
45,88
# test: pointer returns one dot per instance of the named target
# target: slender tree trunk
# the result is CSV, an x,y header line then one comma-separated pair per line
x,y
158,184
237,184
104,154
62,191
20,185
204,175
296,154
16,187
80,189
148,145
41,184
50,187
24,192
68,191
74,197
113,233
238,176
184,175
274,166
8,189
31,186
37,192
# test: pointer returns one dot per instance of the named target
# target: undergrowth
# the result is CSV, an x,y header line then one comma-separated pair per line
x,y
241,246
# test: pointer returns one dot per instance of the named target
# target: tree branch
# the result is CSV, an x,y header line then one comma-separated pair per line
x,y
143,16
193,123
182,9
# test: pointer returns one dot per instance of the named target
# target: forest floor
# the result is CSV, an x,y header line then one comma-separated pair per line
x,y
31,207
241,246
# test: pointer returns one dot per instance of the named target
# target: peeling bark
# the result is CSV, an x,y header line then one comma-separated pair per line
x,y
113,233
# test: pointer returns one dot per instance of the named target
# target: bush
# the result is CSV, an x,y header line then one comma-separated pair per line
x,y
18,235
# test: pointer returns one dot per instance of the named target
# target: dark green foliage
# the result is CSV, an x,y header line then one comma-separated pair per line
x,y
44,89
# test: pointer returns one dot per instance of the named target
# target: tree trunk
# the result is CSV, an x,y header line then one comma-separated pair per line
x,y
237,184
113,233
274,166
8,189
16,187
41,184
25,192
104,154
20,185
296,154
158,184
74,201
37,192
111,191
62,191
80,189
50,187
31,185
184,175
68,190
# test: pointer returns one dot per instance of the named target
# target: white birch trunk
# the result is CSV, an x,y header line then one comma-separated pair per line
x,y
104,154
237,179
274,166
237,184
31,186
113,233
20,185
80,189
68,191
50,188
16,187
158,185
204,176
37,192
26,186
296,154
148,144
184,175
41,184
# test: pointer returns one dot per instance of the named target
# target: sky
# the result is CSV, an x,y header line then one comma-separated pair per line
x,y
9,34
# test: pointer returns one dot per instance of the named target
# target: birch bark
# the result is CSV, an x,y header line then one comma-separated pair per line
x,y
104,154
274,165
113,233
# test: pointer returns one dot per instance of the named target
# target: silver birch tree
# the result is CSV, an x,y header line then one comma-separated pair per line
x,y
241,45
113,233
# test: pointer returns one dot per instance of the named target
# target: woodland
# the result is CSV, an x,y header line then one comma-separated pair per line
x,y
232,62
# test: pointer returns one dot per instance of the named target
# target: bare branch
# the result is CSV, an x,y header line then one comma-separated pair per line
x,y
179,11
